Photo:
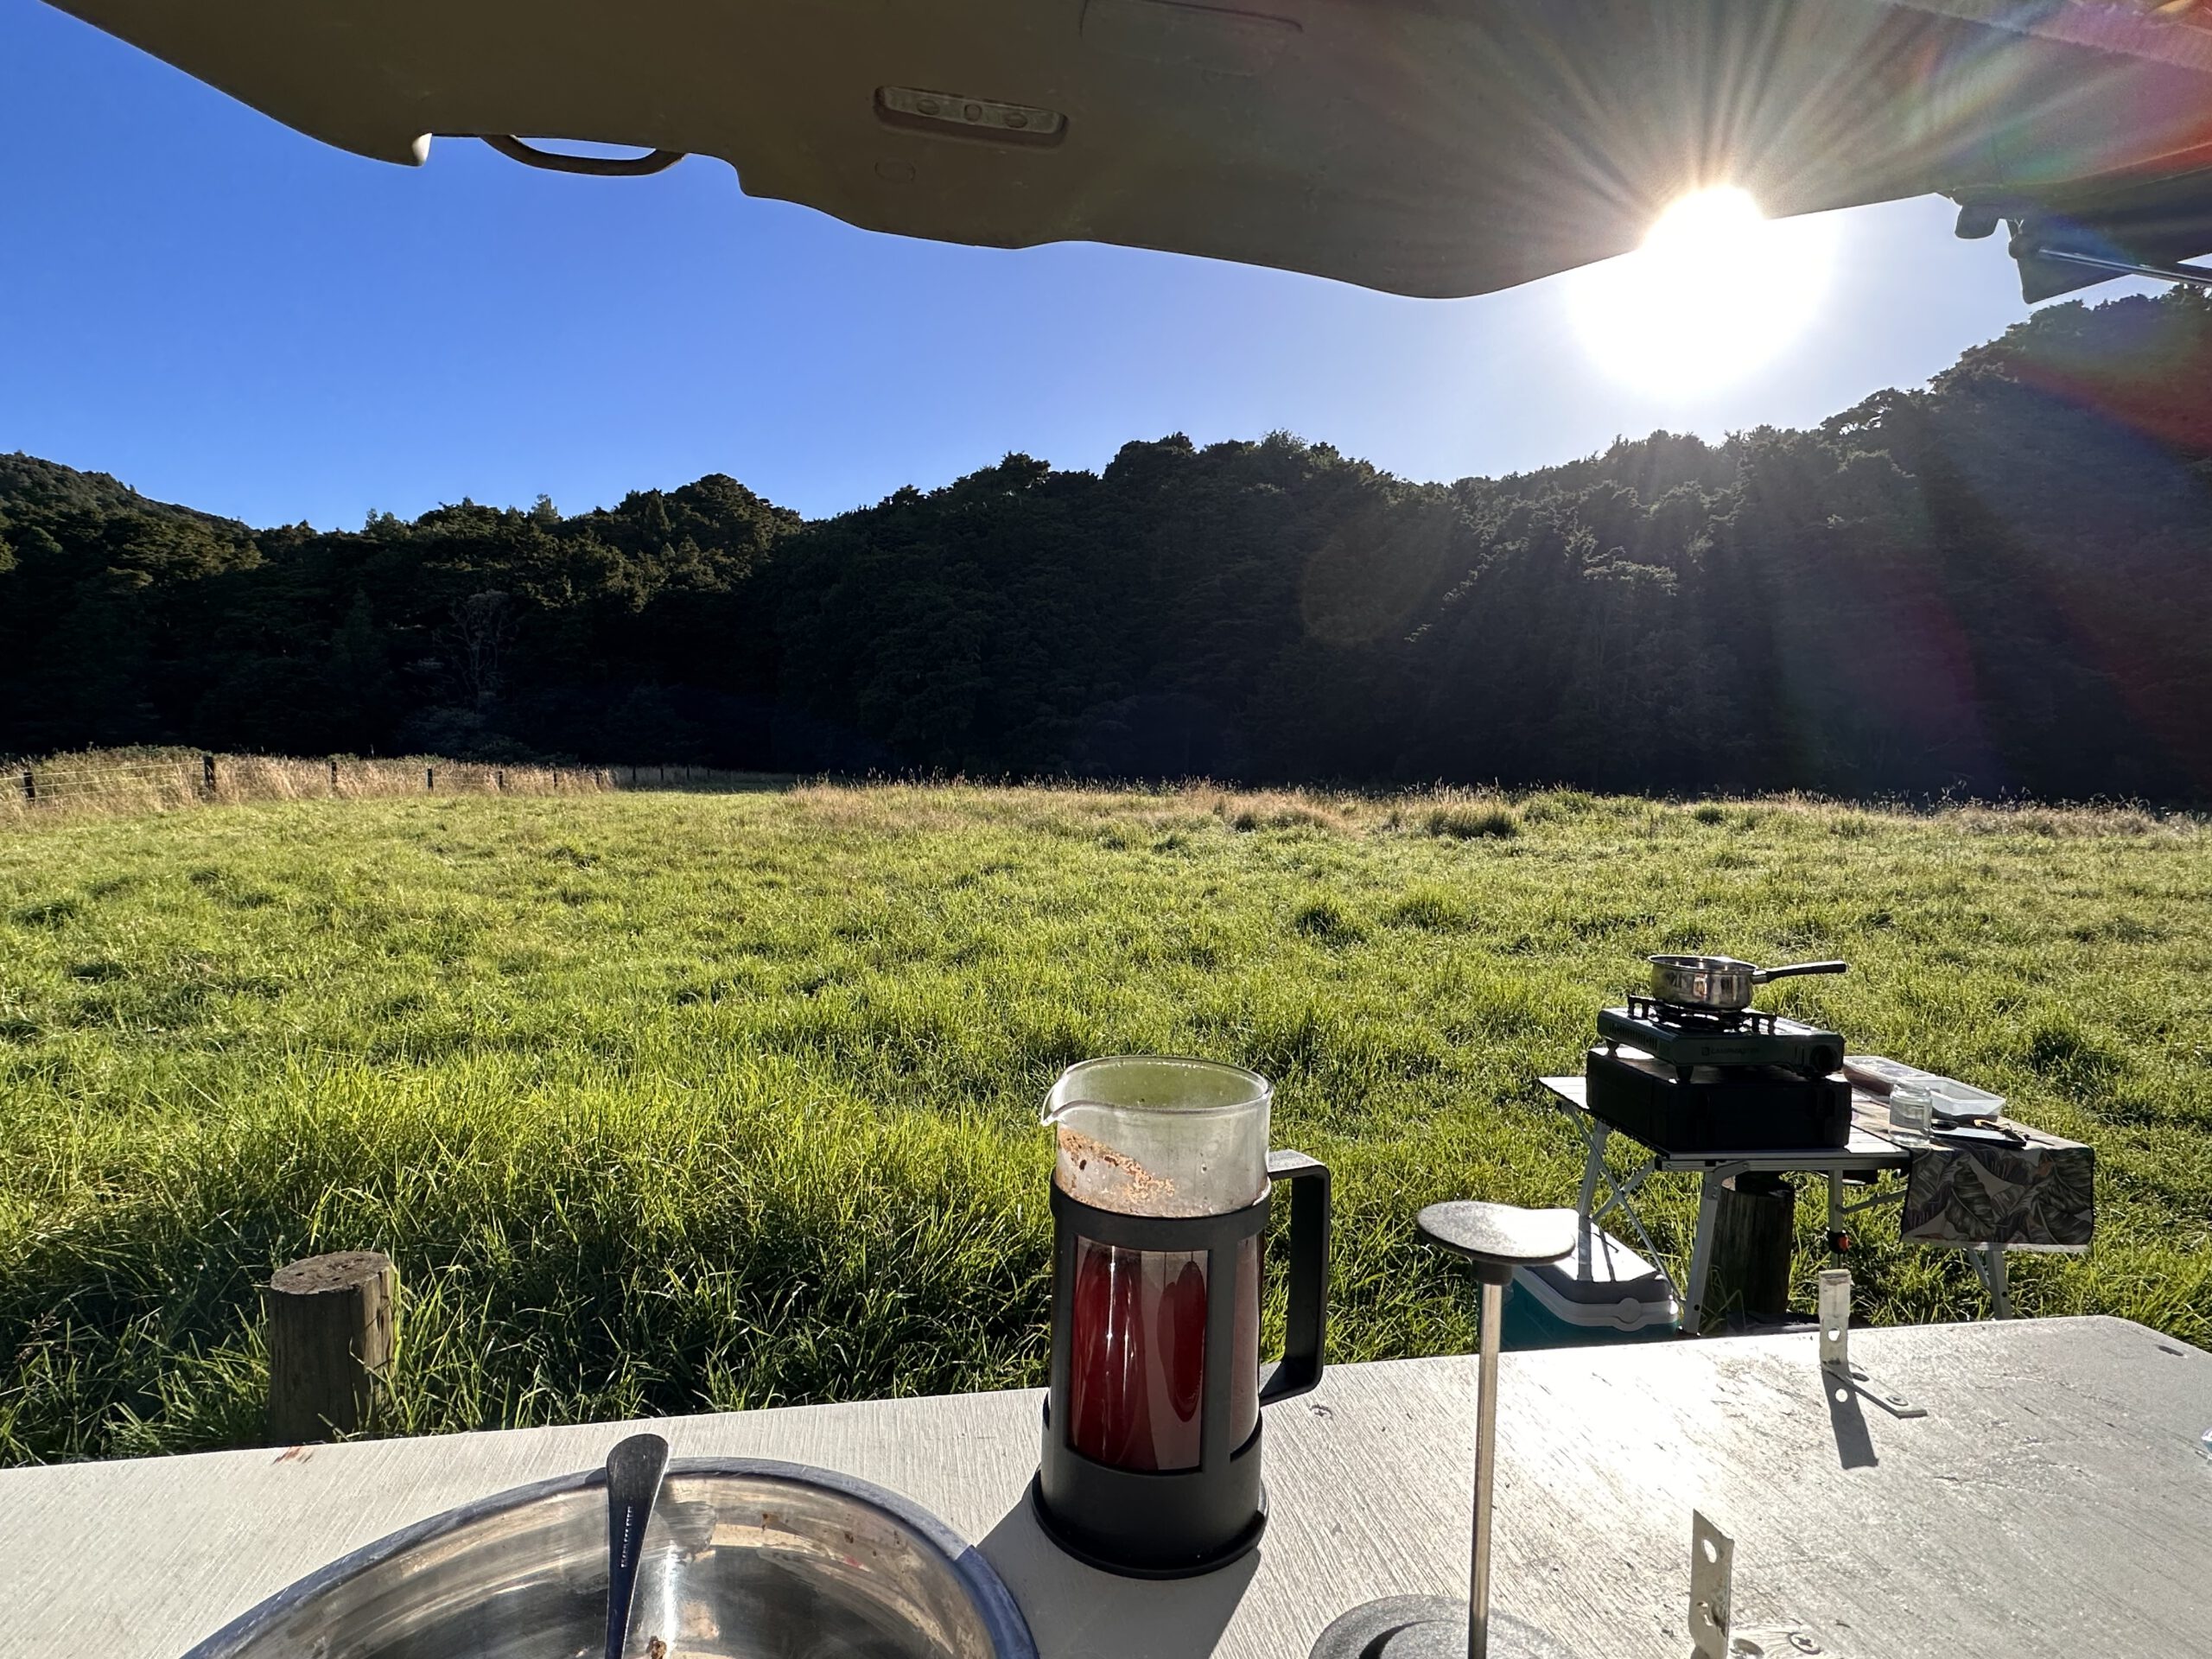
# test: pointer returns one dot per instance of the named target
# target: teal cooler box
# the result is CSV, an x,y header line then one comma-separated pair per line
x,y
1618,1297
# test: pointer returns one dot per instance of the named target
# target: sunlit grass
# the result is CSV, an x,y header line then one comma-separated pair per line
x,y
666,1103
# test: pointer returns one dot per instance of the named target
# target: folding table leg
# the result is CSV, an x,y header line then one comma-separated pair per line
x,y
1989,1262
1593,1166
1708,1212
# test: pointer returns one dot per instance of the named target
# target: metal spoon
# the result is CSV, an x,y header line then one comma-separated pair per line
x,y
633,1473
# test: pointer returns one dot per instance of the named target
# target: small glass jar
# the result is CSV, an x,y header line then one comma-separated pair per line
x,y
1911,1108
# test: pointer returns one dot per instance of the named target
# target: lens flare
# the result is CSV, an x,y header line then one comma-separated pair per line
x,y
1716,290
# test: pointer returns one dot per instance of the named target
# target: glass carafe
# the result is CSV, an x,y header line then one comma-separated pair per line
x,y
1144,1136
1161,1179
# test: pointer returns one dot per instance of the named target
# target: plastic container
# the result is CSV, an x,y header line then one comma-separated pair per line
x,y
1920,1101
1927,1102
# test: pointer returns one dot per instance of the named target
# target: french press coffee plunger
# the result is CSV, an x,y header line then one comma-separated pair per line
x,y
1160,1193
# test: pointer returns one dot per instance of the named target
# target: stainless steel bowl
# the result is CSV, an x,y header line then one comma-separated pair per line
x,y
744,1560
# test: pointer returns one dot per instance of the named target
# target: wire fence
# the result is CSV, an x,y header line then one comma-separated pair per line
x,y
162,780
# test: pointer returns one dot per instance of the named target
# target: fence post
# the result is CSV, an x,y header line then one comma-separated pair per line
x,y
207,776
499,779
30,788
333,1326
429,778
1750,1250
334,774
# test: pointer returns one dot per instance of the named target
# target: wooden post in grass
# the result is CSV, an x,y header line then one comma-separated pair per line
x,y
1751,1238
429,778
30,788
334,774
333,1327
207,776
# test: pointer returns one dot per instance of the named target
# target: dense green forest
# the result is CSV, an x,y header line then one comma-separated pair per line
x,y
2001,584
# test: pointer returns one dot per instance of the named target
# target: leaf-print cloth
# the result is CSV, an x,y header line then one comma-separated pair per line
x,y
2041,1196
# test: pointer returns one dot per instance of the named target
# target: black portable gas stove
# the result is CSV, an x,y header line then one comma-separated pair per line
x,y
1695,1080
1686,1038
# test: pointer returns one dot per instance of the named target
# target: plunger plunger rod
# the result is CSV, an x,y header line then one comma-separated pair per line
x,y
1495,1238
1486,1470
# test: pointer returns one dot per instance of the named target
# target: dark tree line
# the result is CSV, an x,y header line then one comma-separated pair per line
x,y
2001,584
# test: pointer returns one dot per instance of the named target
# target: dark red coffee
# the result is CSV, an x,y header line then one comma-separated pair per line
x,y
1137,1369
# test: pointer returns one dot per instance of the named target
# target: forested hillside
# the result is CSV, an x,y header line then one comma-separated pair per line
x,y
2001,584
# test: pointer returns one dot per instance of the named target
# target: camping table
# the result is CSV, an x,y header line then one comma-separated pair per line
x,y
2051,1504
1868,1155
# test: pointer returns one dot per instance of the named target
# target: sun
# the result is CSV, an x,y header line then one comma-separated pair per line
x,y
1716,290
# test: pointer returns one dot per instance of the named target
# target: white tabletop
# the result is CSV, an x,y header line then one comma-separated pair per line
x,y
2052,1503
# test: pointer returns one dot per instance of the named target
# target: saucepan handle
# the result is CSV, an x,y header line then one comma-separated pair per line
x,y
1306,1328
1760,976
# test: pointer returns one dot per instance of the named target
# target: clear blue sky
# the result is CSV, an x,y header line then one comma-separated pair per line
x,y
223,312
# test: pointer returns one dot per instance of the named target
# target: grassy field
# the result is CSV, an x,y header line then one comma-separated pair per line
x,y
673,1102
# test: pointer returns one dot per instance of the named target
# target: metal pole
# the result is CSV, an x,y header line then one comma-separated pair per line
x,y
1989,1262
1593,1166
1708,1211
1485,1468
2199,275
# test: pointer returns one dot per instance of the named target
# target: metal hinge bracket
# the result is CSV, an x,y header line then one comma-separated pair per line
x,y
1712,1570
1712,1566
1837,1372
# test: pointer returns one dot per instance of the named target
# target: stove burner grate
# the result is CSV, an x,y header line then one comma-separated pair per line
x,y
1674,1016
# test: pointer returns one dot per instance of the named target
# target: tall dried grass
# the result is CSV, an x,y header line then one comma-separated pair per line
x,y
139,781
130,781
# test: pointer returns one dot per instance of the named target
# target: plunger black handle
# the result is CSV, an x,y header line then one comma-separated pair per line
x,y
1306,1328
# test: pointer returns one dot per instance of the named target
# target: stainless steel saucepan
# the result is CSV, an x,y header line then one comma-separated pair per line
x,y
1720,983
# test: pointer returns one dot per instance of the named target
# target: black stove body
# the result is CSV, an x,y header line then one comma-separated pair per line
x,y
1683,1081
